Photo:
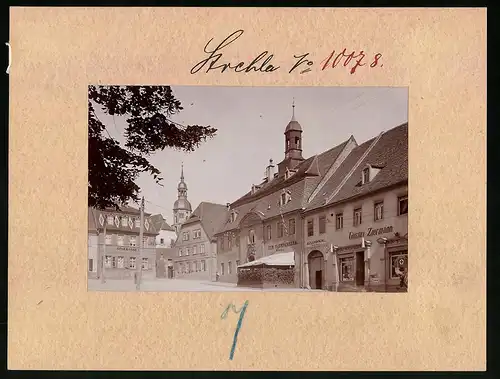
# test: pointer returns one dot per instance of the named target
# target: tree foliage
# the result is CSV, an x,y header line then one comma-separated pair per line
x,y
113,169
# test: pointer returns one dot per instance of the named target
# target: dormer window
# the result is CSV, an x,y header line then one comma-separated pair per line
x,y
233,217
289,173
366,175
285,198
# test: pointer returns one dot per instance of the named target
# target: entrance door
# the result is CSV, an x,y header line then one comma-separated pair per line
x,y
319,279
360,268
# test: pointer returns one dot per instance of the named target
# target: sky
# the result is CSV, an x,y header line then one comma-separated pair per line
x,y
250,123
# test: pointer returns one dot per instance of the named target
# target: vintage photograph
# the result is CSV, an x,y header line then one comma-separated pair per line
x,y
211,188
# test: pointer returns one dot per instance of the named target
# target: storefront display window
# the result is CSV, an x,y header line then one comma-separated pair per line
x,y
347,269
399,263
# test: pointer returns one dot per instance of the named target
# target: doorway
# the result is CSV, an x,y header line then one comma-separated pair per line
x,y
316,268
360,268
319,279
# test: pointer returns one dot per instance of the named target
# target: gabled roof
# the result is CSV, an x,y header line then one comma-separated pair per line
x,y
160,223
266,201
390,153
210,215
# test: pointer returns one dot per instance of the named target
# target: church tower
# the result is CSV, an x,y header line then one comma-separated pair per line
x,y
182,207
293,145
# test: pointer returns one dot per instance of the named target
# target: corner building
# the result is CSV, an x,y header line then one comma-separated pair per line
x,y
268,219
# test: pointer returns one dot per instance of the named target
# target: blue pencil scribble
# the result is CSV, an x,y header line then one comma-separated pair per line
x,y
238,325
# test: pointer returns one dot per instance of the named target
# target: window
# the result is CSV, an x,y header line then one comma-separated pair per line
x,y
107,261
347,269
180,252
202,249
229,268
310,228
113,262
132,241
176,219
181,215
285,198
251,236
237,237
280,229
322,224
194,250
339,221
124,221
119,241
108,239
121,262
110,220
203,266
91,265
237,263
234,215
402,205
366,175
193,266
229,241
197,233
357,217
188,251
399,263
379,211
291,227
268,232
185,236
144,263
222,268
297,142
162,241
137,222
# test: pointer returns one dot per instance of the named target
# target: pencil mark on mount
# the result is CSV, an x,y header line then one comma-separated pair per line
x,y
238,325
216,54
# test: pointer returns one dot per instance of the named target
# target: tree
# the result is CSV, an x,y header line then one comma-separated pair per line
x,y
113,169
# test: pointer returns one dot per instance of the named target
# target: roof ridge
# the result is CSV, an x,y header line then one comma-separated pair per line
x,y
361,159
332,169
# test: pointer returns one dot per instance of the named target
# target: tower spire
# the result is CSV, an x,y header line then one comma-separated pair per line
x,y
293,110
182,171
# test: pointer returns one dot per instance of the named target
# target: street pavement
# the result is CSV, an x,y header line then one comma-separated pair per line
x,y
177,285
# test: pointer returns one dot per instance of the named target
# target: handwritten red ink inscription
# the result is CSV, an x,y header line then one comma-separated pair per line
x,y
352,60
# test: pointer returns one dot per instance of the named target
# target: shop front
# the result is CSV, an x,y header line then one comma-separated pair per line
x,y
122,262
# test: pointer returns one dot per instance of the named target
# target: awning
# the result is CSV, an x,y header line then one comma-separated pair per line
x,y
280,259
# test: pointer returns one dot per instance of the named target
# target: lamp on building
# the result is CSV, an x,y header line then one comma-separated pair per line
x,y
382,240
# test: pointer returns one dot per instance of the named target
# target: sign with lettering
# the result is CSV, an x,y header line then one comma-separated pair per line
x,y
126,248
316,242
281,245
371,232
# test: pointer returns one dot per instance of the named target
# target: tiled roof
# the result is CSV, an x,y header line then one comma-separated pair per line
x,y
332,184
266,201
210,215
390,153
94,224
160,223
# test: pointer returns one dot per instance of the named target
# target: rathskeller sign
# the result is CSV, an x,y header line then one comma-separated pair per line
x,y
282,245
371,232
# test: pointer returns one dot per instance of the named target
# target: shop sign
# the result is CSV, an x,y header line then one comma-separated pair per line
x,y
316,242
281,245
371,232
123,248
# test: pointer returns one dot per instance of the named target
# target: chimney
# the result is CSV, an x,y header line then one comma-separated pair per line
x,y
270,171
228,206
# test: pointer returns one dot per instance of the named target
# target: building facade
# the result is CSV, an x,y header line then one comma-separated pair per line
x,y
267,220
195,245
182,207
356,230
114,245
343,213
